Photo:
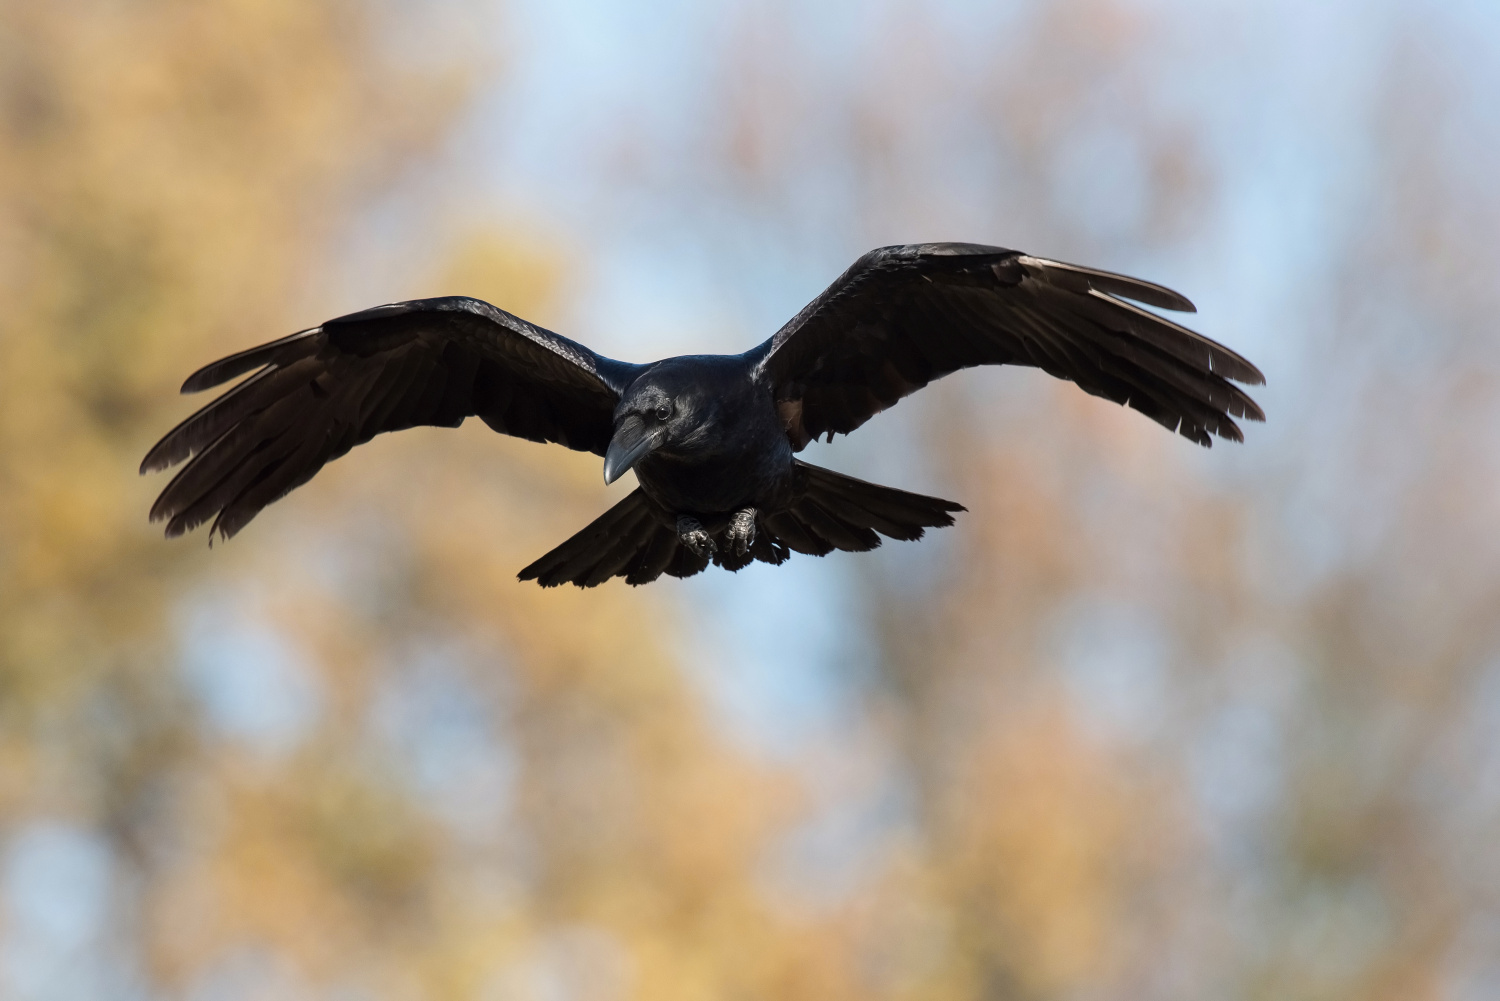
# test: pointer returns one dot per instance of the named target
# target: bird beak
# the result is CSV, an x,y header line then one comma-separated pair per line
x,y
630,443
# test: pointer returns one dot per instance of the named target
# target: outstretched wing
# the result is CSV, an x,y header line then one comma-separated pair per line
x,y
320,392
904,316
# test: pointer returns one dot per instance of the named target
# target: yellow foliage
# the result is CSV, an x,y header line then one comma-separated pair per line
x,y
174,180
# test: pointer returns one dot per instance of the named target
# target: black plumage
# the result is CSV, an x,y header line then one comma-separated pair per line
x,y
711,437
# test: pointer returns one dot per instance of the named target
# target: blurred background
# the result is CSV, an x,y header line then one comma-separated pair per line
x,y
1151,722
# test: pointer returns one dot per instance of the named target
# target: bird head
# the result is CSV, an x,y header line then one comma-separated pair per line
x,y
666,411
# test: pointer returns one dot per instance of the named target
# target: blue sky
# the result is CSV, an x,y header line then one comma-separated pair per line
x,y
1282,94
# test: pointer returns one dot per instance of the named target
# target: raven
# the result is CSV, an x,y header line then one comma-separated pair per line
x,y
712,438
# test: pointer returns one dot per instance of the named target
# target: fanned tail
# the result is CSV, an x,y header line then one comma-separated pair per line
x,y
638,541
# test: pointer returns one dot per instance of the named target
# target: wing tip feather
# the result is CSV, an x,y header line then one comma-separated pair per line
x,y
216,373
1072,276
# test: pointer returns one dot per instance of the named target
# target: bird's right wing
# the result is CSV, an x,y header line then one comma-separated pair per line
x,y
316,394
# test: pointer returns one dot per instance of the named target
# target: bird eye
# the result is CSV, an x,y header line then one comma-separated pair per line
x,y
663,412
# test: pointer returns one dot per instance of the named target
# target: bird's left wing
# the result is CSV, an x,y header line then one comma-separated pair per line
x,y
316,394
904,316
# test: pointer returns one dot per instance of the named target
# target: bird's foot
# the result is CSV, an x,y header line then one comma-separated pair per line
x,y
691,533
741,531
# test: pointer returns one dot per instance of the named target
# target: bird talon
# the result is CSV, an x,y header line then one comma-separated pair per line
x,y
691,533
741,531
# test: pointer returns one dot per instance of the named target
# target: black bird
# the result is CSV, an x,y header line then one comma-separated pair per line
x,y
711,438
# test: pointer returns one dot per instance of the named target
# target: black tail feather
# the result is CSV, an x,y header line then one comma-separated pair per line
x,y
638,541
604,548
836,511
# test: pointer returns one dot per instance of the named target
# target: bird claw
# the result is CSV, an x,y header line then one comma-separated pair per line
x,y
741,531
691,533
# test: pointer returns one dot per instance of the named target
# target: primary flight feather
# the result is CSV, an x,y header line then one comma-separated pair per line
x,y
711,438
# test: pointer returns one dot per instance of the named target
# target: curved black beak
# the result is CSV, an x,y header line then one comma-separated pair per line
x,y
626,448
